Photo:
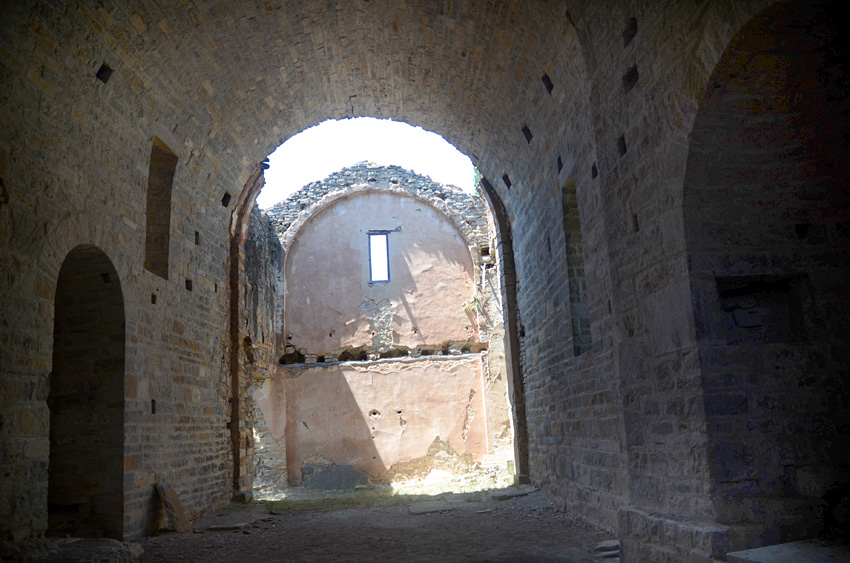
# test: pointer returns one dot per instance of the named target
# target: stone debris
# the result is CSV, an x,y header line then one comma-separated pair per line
x,y
509,494
333,477
607,551
78,550
430,506
608,545
174,510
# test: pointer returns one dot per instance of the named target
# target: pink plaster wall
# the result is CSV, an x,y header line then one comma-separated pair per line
x,y
330,303
372,415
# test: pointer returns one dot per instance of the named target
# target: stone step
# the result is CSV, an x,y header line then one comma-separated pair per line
x,y
805,551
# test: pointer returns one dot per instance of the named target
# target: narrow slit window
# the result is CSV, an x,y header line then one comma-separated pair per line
x,y
379,262
158,210
579,309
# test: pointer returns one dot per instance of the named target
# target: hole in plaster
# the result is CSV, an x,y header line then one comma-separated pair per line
x,y
527,132
197,238
153,406
349,355
766,309
621,145
291,356
320,359
189,285
225,199
153,298
594,172
506,180
560,164
248,346
635,224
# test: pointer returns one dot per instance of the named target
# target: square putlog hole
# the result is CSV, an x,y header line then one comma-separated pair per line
x,y
103,73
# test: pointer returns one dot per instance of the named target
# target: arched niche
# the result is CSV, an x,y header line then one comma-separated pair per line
x,y
766,212
86,399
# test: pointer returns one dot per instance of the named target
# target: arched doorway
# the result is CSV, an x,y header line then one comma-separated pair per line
x,y
86,399
766,211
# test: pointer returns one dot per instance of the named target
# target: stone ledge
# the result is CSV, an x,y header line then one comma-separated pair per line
x,y
642,532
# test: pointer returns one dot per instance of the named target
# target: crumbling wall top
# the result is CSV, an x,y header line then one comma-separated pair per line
x,y
467,212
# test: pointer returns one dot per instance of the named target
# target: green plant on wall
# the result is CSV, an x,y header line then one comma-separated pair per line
x,y
474,304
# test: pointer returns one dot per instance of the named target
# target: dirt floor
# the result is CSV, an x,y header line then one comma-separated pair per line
x,y
498,526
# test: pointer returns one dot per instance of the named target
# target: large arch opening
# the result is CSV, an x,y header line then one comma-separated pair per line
x,y
86,399
513,131
443,325
766,212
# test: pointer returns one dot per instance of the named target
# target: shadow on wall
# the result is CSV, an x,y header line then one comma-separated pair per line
x,y
375,415
360,385
331,304
86,399
767,213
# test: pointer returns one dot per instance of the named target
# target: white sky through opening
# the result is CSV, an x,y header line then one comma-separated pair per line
x,y
319,151
379,257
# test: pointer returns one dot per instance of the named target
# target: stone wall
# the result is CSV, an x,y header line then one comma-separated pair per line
x,y
330,303
767,212
259,328
379,415
625,435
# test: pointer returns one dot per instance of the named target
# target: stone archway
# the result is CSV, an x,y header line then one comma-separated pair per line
x,y
86,399
766,213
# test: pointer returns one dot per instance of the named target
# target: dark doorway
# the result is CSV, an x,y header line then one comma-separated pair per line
x,y
86,399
